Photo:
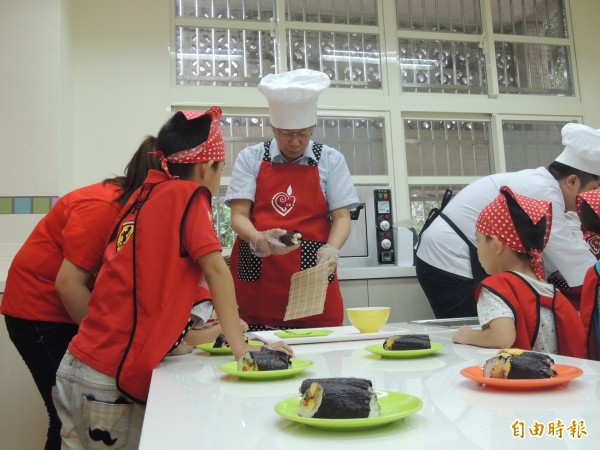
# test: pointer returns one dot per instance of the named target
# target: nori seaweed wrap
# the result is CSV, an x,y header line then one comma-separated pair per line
x,y
361,383
407,342
338,401
518,364
291,238
263,360
221,341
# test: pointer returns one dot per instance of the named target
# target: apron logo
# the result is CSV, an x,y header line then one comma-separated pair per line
x,y
124,235
283,202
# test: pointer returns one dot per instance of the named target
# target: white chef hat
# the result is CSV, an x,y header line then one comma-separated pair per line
x,y
582,148
293,96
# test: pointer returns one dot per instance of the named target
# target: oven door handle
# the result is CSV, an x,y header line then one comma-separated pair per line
x,y
355,213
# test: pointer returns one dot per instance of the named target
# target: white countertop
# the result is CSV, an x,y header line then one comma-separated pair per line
x,y
192,404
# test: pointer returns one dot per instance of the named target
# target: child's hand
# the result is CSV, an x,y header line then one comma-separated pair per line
x,y
462,335
244,326
281,346
182,349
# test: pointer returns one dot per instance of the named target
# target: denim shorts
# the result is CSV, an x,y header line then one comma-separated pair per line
x,y
94,414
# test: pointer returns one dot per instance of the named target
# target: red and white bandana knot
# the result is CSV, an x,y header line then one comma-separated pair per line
x,y
496,220
212,149
592,198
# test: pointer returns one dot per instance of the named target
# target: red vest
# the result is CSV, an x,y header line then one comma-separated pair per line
x,y
288,196
525,302
589,310
145,289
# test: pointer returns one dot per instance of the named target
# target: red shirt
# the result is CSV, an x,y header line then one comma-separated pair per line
x,y
148,282
76,228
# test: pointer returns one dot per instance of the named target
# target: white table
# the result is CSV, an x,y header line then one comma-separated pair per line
x,y
193,404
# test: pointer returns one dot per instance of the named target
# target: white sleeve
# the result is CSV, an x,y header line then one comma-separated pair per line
x,y
490,307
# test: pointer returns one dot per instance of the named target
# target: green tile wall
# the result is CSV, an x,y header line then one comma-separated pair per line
x,y
26,205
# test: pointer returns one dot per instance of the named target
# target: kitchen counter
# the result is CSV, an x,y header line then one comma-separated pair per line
x,y
192,404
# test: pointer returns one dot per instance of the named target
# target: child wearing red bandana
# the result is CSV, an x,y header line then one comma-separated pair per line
x,y
162,245
588,210
516,307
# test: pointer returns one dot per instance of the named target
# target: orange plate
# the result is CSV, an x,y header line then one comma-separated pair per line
x,y
564,374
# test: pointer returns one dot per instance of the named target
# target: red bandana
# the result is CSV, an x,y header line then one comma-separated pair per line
x,y
592,198
212,149
495,220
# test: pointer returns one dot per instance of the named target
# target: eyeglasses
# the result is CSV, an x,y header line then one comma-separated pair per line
x,y
286,134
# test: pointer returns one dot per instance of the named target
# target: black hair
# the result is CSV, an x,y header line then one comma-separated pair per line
x,y
531,235
136,170
589,219
561,171
178,134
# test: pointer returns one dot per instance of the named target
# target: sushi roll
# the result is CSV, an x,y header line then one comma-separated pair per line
x,y
291,238
323,400
517,364
361,383
221,341
264,359
407,342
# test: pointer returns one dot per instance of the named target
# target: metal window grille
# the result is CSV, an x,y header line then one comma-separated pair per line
x,y
442,66
458,16
529,17
361,141
533,69
447,148
531,144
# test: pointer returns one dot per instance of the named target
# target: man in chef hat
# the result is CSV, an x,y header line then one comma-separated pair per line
x,y
288,184
446,257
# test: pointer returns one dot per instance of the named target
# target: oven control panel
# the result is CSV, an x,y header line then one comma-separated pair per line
x,y
386,253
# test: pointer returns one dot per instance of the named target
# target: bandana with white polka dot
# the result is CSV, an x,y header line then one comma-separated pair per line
x,y
592,198
495,220
212,149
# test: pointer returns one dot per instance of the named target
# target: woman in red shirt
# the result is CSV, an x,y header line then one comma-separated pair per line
x,y
50,278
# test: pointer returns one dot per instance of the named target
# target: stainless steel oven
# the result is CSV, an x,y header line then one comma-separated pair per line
x,y
374,241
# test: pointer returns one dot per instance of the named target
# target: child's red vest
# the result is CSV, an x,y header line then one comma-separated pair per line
x,y
525,303
145,289
589,309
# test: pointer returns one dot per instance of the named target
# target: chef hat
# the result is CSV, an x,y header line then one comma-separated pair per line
x,y
293,96
517,222
582,148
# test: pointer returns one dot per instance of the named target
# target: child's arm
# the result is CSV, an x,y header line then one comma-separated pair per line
x,y
221,286
499,333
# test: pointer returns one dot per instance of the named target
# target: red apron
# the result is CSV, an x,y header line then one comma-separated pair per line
x,y
288,196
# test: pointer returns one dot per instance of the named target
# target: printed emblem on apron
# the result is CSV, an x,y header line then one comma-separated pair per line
x,y
124,234
283,202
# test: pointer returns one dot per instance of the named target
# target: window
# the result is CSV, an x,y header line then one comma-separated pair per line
x,y
426,94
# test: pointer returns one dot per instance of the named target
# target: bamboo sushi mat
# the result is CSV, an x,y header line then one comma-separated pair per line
x,y
308,291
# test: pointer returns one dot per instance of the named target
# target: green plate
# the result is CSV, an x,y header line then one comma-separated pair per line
x,y
291,334
394,406
379,350
298,365
208,347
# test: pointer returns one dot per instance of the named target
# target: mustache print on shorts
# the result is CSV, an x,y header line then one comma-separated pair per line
x,y
101,435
